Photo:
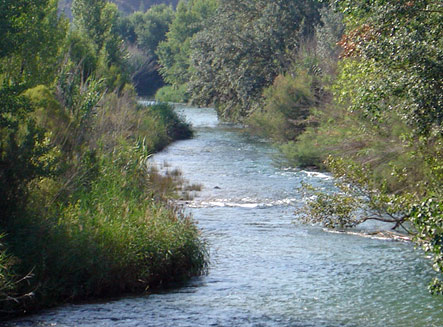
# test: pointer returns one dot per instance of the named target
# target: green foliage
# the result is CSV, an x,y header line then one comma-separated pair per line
x,y
327,34
361,198
286,107
176,129
388,133
173,94
142,33
244,48
336,211
303,153
27,26
427,217
82,214
6,277
22,145
92,19
82,52
97,21
113,237
358,200
151,27
174,53
402,40
127,7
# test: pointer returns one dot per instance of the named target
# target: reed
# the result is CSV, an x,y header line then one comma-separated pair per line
x,y
107,224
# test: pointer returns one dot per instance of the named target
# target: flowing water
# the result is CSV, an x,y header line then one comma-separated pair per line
x,y
267,269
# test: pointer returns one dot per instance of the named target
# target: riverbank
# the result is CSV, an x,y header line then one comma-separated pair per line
x,y
115,232
265,270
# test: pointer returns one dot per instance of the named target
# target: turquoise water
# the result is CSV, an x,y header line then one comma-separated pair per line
x,y
266,268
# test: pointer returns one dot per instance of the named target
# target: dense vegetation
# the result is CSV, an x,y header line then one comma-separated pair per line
x,y
82,213
125,6
349,86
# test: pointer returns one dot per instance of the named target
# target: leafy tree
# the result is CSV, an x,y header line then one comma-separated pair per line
x,y
89,18
22,144
389,161
142,33
403,41
152,26
82,52
427,217
97,20
244,48
327,34
25,28
16,18
174,53
24,63
286,107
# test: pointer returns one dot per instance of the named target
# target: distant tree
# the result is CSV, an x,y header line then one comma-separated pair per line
x,y
98,21
151,27
245,46
89,18
174,52
127,7
328,33
142,32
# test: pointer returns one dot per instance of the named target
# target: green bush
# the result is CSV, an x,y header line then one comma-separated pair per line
x,y
173,94
164,114
287,105
117,236
102,223
7,283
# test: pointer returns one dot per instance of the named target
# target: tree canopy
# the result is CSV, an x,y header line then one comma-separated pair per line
x,y
174,53
245,46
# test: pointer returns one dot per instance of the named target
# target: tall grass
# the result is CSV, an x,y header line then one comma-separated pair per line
x,y
118,237
106,224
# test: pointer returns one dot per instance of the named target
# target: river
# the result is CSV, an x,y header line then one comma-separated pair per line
x,y
266,268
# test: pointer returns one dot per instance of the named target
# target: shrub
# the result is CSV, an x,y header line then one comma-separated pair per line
x,y
287,105
117,236
173,94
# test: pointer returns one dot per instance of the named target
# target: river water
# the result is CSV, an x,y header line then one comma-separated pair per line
x,y
266,269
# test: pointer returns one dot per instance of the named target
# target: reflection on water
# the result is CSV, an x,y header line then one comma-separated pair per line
x,y
266,269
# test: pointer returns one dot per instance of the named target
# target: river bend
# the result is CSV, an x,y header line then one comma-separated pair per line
x,y
267,269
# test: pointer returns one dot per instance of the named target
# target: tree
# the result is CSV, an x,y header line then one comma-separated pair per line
x,y
152,26
14,21
327,34
26,26
142,33
244,48
403,41
89,18
174,53
24,63
97,20
389,81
